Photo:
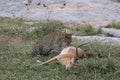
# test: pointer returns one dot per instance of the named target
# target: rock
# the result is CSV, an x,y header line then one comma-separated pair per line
x,y
111,31
94,12
99,39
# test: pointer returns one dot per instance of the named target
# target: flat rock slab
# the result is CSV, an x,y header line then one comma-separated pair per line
x,y
111,31
98,39
94,12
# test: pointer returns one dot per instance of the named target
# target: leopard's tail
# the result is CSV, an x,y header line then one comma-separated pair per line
x,y
50,60
82,44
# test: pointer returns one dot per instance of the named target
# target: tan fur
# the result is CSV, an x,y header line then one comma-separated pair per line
x,y
67,57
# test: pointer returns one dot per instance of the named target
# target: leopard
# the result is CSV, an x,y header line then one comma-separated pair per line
x,y
53,42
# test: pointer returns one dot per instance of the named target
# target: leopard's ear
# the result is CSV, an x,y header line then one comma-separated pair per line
x,y
68,35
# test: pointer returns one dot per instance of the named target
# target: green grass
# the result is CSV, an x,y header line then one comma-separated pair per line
x,y
84,30
17,63
17,27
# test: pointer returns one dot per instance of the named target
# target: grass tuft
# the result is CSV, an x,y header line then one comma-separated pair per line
x,y
116,0
114,25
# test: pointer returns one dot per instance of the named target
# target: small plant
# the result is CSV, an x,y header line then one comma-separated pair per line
x,y
99,31
45,29
114,25
116,0
88,29
48,27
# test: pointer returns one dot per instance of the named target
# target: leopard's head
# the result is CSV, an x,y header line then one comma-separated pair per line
x,y
65,37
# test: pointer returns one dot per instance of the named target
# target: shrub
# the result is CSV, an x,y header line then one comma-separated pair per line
x,y
114,25
116,0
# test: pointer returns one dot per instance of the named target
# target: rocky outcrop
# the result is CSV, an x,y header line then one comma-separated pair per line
x,y
94,12
98,39
111,31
